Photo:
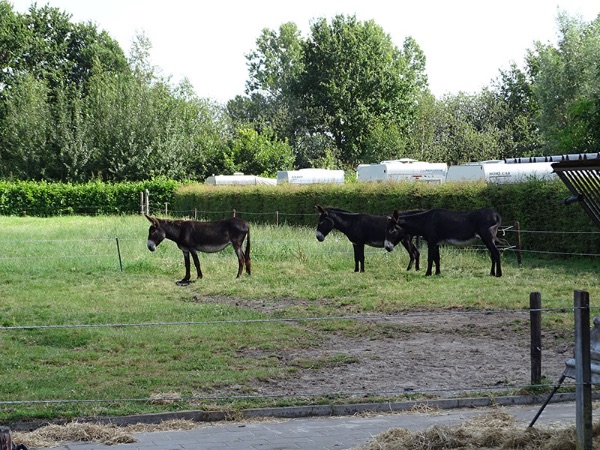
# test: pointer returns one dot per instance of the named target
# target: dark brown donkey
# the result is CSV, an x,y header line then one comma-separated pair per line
x,y
362,229
439,226
208,237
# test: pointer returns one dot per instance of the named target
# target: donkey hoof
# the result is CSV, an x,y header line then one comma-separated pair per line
x,y
183,283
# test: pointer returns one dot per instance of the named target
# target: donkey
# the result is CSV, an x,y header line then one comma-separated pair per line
x,y
438,226
361,230
209,237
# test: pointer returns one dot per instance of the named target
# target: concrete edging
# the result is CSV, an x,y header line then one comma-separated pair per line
x,y
290,412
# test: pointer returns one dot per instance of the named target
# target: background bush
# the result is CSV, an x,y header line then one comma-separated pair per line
x,y
537,205
52,199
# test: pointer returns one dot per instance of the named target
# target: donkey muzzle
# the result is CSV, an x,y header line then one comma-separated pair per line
x,y
388,245
151,246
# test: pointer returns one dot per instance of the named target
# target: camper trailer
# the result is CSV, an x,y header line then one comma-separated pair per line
x,y
239,179
310,176
402,170
500,172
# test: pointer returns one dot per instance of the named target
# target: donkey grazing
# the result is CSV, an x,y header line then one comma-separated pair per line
x,y
361,230
443,226
209,237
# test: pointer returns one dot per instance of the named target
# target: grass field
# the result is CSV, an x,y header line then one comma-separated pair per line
x,y
61,283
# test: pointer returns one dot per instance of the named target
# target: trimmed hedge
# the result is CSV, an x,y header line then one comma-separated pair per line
x,y
51,199
537,206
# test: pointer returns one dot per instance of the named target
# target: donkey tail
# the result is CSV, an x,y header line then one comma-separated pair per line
x,y
247,252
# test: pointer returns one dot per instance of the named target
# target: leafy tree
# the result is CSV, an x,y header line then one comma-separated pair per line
x,y
256,153
466,128
567,87
514,90
355,79
270,102
25,129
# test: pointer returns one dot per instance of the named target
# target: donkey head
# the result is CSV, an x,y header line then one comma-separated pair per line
x,y
394,232
156,234
325,224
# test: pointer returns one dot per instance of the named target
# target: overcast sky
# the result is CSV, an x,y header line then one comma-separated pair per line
x,y
466,42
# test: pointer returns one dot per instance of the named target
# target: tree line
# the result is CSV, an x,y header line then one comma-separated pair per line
x,y
74,107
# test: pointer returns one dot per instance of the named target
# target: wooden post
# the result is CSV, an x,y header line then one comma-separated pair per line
x,y
147,201
276,217
142,203
5,439
195,213
234,213
518,230
535,317
166,209
583,372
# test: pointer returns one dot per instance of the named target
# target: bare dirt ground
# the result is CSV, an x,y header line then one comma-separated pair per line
x,y
441,353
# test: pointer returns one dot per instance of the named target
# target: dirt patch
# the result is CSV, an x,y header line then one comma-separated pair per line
x,y
438,353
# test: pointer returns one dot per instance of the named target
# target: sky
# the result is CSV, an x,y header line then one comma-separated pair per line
x,y
466,42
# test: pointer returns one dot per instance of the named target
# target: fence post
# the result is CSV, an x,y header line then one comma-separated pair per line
x,y
166,209
234,213
119,254
583,372
195,213
6,442
277,218
147,201
142,202
518,231
535,317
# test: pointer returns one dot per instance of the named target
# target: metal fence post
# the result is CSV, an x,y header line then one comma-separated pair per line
x,y
583,372
535,317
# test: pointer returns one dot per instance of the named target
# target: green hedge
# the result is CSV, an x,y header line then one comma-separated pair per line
x,y
538,206
547,224
51,199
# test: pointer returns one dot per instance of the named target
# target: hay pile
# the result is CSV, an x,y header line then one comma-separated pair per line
x,y
493,431
55,435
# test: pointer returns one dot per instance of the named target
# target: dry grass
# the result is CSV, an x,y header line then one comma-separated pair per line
x,y
55,435
493,431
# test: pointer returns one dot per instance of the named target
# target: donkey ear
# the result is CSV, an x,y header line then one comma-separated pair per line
x,y
395,215
153,220
320,209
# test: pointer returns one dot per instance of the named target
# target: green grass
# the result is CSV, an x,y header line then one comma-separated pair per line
x,y
65,271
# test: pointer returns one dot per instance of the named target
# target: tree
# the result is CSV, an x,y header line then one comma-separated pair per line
x,y
269,102
25,129
514,90
466,128
355,79
256,153
567,87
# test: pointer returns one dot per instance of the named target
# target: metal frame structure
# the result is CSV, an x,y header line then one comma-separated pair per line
x,y
582,178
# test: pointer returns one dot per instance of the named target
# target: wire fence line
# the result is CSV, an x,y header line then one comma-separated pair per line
x,y
369,317
299,395
223,397
325,251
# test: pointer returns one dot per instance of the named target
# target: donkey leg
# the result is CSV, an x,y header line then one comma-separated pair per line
x,y
197,264
430,259
437,259
495,255
417,253
185,280
361,256
489,242
247,262
241,259
356,257
407,244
